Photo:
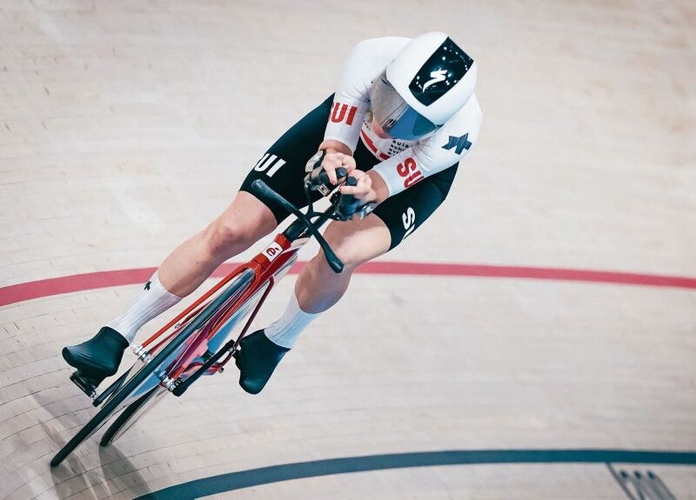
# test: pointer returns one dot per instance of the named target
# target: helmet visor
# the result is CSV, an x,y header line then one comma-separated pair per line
x,y
394,116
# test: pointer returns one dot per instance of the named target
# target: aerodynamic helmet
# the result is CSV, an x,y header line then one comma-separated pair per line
x,y
428,81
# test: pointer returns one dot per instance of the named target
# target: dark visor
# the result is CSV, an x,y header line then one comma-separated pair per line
x,y
397,118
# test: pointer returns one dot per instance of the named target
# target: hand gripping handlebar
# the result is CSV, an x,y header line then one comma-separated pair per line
x,y
264,190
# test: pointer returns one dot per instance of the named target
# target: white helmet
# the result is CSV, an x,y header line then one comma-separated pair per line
x,y
430,79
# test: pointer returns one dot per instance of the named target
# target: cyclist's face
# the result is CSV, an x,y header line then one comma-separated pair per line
x,y
393,117
378,130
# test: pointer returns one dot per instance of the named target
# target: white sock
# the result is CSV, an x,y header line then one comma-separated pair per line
x,y
285,331
152,301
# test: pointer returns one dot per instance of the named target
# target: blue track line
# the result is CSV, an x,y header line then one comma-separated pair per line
x,y
285,472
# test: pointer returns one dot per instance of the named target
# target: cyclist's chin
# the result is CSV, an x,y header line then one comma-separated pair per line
x,y
379,131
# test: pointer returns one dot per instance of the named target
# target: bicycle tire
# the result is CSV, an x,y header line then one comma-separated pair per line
x,y
131,414
137,409
134,411
115,402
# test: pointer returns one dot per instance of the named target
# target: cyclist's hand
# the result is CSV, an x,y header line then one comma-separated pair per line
x,y
363,189
334,160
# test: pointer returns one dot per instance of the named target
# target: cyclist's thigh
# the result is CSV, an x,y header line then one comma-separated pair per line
x,y
408,210
283,165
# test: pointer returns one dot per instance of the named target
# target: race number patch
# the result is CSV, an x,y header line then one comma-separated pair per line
x,y
272,251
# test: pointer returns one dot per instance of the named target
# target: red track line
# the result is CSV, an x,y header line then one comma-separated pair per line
x,y
81,282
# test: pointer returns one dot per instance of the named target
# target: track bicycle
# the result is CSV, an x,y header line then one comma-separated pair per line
x,y
188,347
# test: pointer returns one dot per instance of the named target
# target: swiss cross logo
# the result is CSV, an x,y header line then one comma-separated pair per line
x,y
343,113
408,170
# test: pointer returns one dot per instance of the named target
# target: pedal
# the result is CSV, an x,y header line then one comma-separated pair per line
x,y
87,384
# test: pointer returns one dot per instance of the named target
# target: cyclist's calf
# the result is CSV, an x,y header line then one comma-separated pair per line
x,y
355,242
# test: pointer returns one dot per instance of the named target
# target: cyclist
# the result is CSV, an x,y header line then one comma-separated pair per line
x,y
404,115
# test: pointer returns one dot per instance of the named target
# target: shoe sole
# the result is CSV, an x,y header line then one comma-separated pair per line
x,y
83,365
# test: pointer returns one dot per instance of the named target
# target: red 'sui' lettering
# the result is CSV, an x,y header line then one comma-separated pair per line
x,y
409,171
343,113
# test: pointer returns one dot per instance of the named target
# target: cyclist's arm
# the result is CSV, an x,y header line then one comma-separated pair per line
x,y
443,149
351,101
371,186
347,115
333,146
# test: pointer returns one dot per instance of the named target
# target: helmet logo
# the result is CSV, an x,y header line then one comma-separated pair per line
x,y
436,76
440,73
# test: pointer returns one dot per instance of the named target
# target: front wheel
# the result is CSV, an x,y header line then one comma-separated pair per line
x,y
132,414
120,398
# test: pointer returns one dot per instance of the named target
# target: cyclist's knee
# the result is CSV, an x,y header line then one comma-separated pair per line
x,y
223,236
347,255
355,243
238,227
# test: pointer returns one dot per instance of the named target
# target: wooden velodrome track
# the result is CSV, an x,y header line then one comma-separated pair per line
x,y
565,368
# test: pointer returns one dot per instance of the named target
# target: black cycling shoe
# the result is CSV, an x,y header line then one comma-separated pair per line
x,y
98,357
256,361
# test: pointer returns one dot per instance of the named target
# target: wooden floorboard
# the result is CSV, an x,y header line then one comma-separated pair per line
x,y
125,127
